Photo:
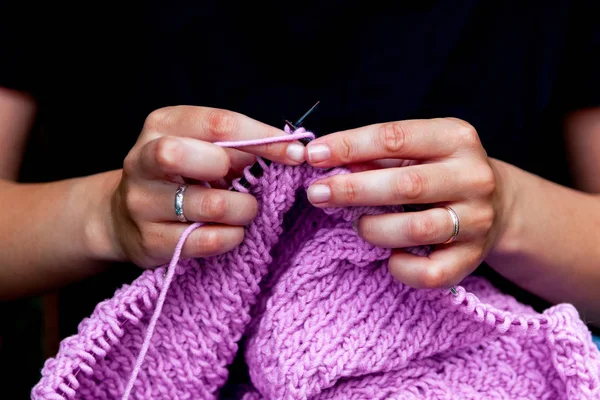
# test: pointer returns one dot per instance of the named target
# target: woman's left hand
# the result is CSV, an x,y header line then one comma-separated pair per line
x,y
437,162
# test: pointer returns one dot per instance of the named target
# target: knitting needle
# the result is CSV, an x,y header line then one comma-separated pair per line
x,y
256,169
297,125
302,118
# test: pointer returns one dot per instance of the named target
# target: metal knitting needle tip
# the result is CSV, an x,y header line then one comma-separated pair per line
x,y
453,291
256,169
288,123
306,114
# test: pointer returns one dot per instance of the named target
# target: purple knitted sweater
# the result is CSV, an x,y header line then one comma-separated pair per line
x,y
321,318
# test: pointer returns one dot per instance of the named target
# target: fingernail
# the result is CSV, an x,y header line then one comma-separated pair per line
x,y
295,152
318,152
318,193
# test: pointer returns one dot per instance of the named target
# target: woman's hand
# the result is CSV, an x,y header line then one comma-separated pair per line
x,y
435,163
176,143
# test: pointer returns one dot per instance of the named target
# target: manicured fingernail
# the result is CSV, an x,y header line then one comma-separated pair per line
x,y
318,193
318,152
295,152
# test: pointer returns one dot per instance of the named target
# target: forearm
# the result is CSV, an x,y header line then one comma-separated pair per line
x,y
54,233
551,244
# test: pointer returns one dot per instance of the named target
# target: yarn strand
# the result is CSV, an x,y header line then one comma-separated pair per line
x,y
317,315
159,306
299,134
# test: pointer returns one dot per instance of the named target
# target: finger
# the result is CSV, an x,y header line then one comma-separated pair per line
x,y
380,164
415,184
224,183
215,125
170,156
445,267
407,229
412,139
239,160
206,241
199,204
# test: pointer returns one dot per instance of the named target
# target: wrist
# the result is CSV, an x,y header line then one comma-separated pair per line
x,y
510,226
100,233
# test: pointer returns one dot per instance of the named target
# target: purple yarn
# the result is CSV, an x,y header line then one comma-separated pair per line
x,y
323,319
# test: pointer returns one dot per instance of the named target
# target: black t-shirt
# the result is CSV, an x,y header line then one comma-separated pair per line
x,y
510,68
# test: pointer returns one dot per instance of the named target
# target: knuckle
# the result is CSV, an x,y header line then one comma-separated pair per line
x,y
476,259
486,180
393,136
410,185
350,190
160,118
167,152
273,148
153,119
129,163
134,201
423,230
210,241
149,238
222,124
434,278
347,150
213,205
145,247
487,216
466,133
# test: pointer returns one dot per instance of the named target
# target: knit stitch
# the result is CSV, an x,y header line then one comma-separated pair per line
x,y
321,318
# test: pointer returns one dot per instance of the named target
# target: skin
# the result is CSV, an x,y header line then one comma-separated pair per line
x,y
455,171
508,216
80,224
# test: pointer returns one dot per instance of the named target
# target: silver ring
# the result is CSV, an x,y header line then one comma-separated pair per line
x,y
179,203
456,223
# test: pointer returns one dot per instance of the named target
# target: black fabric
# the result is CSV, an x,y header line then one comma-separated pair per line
x,y
511,68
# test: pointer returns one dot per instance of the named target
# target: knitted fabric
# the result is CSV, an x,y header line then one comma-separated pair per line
x,y
320,318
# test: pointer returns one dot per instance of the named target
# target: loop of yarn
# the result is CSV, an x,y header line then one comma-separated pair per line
x,y
300,133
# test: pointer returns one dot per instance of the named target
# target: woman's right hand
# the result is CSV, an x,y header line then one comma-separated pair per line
x,y
176,142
